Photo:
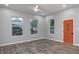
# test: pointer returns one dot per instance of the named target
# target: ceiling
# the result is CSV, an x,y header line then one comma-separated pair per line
x,y
46,9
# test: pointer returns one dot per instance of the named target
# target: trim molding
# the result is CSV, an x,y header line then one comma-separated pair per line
x,y
76,44
62,42
33,40
56,40
21,41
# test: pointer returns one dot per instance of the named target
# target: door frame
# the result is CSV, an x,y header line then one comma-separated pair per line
x,y
73,29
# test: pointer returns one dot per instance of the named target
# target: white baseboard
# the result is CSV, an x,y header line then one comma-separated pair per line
x,y
21,41
76,44
56,40
62,42
33,40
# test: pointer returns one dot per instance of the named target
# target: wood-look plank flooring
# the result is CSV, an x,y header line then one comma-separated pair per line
x,y
42,46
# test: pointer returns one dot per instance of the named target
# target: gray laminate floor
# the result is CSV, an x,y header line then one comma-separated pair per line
x,y
42,46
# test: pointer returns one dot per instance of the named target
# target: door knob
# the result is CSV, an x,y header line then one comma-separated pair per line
x,y
72,33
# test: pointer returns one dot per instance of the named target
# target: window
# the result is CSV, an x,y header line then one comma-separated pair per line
x,y
17,23
51,26
34,26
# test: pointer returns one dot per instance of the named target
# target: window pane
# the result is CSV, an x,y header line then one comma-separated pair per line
x,y
17,26
51,26
34,26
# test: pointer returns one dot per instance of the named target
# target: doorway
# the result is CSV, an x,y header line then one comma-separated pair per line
x,y
68,31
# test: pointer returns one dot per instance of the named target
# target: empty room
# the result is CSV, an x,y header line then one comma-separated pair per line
x,y
39,28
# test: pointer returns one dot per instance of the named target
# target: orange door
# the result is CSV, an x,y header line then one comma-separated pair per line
x,y
68,31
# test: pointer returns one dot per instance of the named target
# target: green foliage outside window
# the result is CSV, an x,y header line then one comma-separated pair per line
x,y
51,26
34,26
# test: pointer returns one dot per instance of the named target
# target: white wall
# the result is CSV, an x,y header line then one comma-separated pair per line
x,y
59,17
6,27
43,26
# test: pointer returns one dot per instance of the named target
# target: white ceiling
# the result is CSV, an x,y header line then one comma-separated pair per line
x,y
45,8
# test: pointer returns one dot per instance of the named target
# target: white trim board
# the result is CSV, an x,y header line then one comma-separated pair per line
x,y
21,41
76,44
62,42
33,40
56,40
